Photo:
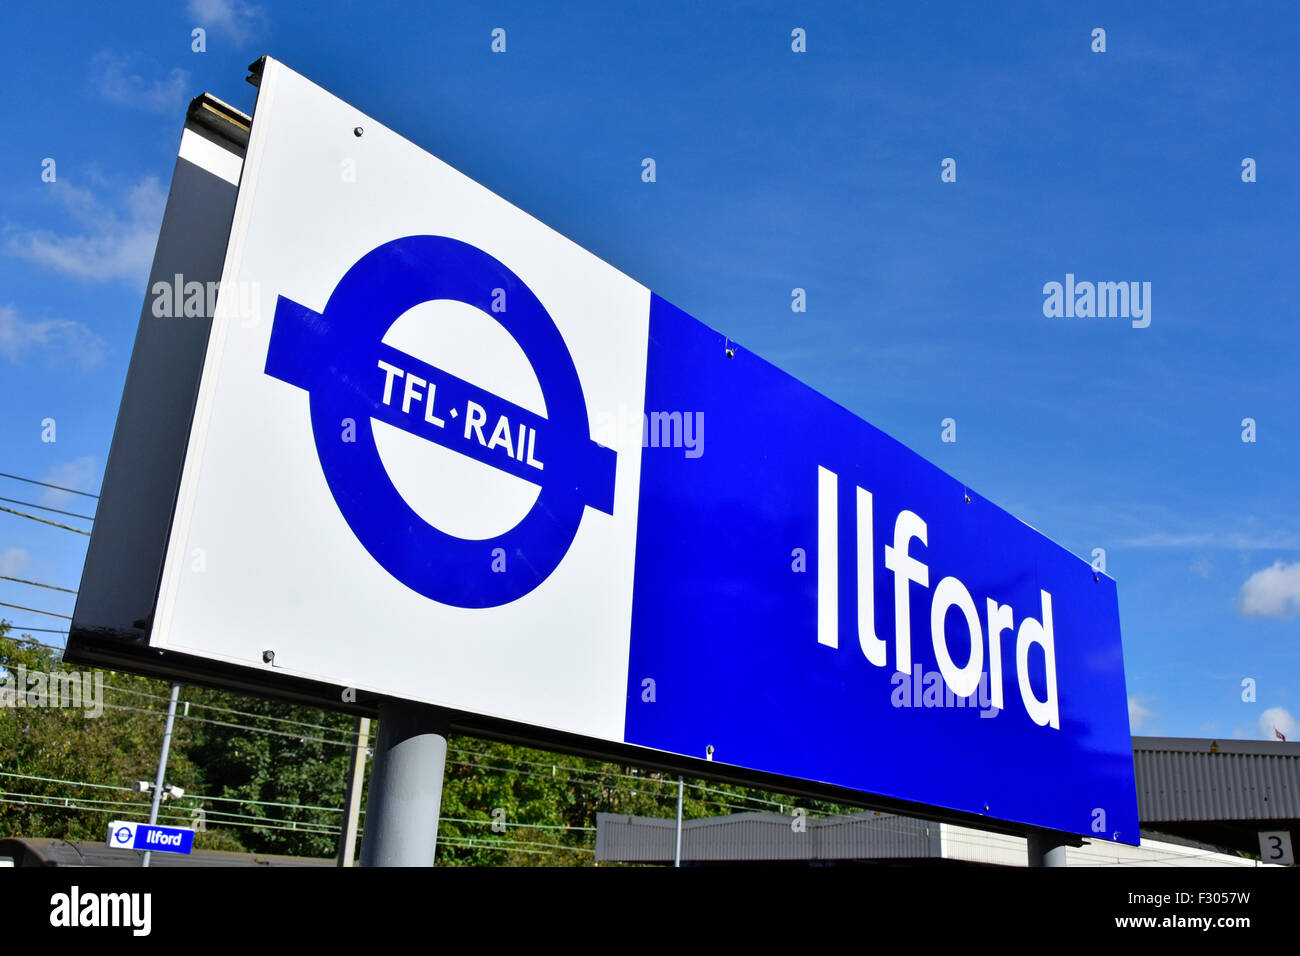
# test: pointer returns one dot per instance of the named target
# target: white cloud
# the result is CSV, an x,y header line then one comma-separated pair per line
x,y
111,244
1281,719
78,474
1202,567
1272,592
1137,713
111,76
54,338
14,561
234,18
1224,540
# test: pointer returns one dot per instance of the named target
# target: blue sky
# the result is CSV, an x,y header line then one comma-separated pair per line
x,y
776,170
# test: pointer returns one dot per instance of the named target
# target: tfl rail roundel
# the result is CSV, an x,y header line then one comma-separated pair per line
x,y
340,359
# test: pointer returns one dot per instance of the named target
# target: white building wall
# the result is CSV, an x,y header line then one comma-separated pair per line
x,y
976,846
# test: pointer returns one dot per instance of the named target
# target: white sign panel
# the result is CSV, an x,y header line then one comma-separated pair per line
x,y
262,527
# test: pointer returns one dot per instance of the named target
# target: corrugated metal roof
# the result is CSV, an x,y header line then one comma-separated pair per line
x,y
765,836
761,837
1193,779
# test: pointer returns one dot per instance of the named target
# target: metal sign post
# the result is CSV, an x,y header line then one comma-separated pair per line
x,y
677,856
406,787
352,799
162,764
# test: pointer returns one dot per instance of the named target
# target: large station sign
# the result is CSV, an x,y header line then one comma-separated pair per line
x,y
427,448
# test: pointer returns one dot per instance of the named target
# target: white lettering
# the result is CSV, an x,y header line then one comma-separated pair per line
x,y
390,372
1044,712
907,525
962,682
411,394
475,416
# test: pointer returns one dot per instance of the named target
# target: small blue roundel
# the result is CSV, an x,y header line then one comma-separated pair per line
x,y
340,359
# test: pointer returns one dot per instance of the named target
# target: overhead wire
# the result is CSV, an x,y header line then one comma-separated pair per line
x,y
36,584
65,527
46,484
19,607
57,511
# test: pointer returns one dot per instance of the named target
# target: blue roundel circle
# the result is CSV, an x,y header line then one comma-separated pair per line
x,y
339,357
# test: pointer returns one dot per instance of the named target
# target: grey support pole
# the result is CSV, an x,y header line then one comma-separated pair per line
x,y
162,763
1047,847
405,787
677,857
352,799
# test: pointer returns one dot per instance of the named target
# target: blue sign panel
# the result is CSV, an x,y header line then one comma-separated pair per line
x,y
142,836
813,599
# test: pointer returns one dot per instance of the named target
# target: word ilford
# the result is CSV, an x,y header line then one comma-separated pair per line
x,y
950,593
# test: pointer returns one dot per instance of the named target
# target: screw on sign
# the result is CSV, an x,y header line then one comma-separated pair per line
x,y
338,356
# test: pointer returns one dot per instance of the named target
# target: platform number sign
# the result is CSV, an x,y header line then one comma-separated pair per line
x,y
1275,847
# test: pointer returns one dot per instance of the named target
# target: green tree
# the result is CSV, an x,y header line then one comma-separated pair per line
x,y
286,766
65,772
270,777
